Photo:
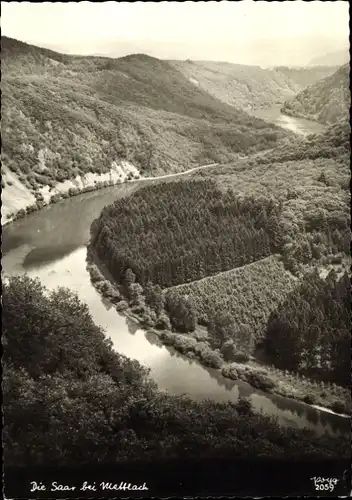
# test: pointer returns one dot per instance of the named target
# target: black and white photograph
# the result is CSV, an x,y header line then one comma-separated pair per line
x,y
175,213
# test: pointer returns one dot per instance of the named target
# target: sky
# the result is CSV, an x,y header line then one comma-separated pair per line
x,y
245,32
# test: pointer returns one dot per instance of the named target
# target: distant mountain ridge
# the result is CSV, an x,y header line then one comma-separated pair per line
x,y
337,58
327,101
249,87
65,117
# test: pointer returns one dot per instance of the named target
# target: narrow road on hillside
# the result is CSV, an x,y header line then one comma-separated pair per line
x,y
176,174
209,165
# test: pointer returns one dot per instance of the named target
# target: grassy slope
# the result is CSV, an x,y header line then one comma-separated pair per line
x,y
249,87
82,113
327,101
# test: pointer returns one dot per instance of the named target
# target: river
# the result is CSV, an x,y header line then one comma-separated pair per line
x,y
298,125
51,245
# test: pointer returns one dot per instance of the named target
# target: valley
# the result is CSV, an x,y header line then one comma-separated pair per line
x,y
287,218
66,227
326,101
250,88
175,259
94,120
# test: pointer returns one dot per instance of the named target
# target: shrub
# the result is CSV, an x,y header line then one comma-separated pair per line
x,y
339,407
73,191
168,338
200,347
211,358
260,381
149,317
310,399
231,372
110,292
95,274
184,344
138,309
99,285
163,323
244,406
137,302
121,306
240,357
228,350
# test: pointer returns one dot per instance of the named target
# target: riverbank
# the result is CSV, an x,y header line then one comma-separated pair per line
x,y
301,116
28,203
18,201
328,397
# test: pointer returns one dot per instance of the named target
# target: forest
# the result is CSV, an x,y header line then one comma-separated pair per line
x,y
68,398
310,179
179,232
250,87
236,263
248,295
326,101
310,331
65,116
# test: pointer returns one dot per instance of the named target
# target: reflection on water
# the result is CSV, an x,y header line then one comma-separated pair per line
x,y
298,125
45,255
50,245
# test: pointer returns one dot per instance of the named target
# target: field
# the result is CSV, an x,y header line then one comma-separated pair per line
x,y
249,294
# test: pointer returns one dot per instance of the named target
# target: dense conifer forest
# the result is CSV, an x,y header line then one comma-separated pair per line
x,y
310,331
184,231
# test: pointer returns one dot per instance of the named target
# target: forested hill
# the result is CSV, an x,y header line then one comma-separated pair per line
x,y
249,87
69,398
327,101
68,115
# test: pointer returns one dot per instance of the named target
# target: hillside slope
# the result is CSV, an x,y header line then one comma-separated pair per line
x,y
327,101
67,116
303,76
310,180
337,58
249,87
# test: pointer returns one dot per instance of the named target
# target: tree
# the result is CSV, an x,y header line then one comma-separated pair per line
x,y
243,338
129,278
244,406
154,297
135,293
182,314
221,327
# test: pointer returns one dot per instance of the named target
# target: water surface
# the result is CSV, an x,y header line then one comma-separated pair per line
x,y
51,245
